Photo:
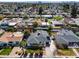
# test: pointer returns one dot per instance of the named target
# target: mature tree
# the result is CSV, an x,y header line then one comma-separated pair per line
x,y
66,7
11,29
40,10
35,24
25,17
26,34
1,17
73,11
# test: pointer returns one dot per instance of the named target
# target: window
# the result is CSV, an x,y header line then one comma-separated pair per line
x,y
10,42
39,42
4,44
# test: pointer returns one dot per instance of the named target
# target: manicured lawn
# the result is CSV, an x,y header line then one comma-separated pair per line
x,y
77,49
33,51
65,52
6,51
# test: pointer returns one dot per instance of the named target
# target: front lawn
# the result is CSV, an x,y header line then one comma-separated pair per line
x,y
65,52
6,51
77,49
33,51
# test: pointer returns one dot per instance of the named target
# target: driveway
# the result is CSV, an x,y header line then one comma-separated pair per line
x,y
75,51
13,52
50,51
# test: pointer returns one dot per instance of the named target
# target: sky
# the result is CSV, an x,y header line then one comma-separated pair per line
x,y
35,0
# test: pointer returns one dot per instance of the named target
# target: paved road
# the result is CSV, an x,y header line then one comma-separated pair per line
x,y
50,51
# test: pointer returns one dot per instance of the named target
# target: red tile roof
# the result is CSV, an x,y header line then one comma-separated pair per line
x,y
9,36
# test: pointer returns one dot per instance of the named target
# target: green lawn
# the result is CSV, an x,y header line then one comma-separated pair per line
x,y
33,51
65,52
57,18
6,51
77,49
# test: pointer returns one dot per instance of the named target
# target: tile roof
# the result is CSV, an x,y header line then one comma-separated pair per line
x,y
9,36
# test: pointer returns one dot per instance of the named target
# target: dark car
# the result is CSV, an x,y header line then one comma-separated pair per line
x,y
31,55
36,55
40,55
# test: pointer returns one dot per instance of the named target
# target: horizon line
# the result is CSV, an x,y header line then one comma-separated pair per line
x,y
39,1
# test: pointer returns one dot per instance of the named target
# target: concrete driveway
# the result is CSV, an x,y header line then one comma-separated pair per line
x,y
50,51
13,52
75,51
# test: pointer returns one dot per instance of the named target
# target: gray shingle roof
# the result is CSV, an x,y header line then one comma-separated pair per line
x,y
66,36
35,38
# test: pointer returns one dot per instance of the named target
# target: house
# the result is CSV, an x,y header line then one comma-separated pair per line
x,y
66,38
14,22
45,24
44,16
10,39
57,23
76,21
39,38
4,24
